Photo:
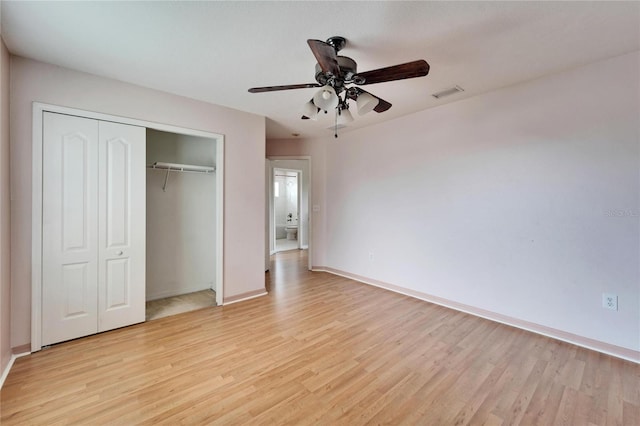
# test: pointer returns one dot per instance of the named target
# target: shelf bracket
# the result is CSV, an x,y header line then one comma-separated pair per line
x,y
166,178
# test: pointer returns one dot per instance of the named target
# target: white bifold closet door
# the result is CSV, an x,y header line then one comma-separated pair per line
x,y
93,272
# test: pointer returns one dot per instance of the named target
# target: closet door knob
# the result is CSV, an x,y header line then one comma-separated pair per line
x,y
119,253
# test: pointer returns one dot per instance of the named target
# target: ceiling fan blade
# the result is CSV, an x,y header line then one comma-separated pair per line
x,y
354,92
287,87
325,55
413,69
382,105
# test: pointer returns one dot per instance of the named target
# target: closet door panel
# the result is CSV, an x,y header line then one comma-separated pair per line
x,y
118,284
121,274
70,227
118,159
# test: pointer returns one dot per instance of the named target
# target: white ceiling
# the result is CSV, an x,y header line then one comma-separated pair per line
x,y
215,51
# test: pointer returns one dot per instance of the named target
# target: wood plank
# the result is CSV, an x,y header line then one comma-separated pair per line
x,y
320,349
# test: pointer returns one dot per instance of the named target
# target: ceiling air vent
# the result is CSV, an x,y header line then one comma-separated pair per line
x,y
447,92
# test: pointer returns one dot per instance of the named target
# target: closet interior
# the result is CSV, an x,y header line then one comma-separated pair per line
x,y
181,223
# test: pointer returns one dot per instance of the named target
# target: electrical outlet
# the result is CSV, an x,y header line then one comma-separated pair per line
x,y
610,301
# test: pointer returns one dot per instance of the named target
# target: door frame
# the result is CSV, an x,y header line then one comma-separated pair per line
x,y
36,201
269,204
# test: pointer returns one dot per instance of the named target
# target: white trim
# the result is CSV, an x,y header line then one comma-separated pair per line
x,y
574,339
219,220
299,207
6,371
36,229
245,298
36,204
271,203
125,120
267,214
309,201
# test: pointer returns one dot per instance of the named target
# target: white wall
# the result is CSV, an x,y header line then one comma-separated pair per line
x,y
503,201
5,213
244,173
181,221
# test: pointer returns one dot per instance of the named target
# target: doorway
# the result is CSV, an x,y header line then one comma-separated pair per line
x,y
291,178
287,190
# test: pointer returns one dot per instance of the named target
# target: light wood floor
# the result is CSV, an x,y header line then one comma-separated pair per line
x,y
320,349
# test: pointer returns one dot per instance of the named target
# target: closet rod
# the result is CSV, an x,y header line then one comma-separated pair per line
x,y
182,167
175,167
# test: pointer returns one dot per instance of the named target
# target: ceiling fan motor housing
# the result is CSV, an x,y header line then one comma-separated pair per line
x,y
348,68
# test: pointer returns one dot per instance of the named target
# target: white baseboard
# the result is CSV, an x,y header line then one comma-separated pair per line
x,y
175,292
244,296
5,373
585,342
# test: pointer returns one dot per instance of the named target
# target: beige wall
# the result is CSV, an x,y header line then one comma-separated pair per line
x,y
5,210
244,166
521,203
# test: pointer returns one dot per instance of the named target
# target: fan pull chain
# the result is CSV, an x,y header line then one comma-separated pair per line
x,y
335,134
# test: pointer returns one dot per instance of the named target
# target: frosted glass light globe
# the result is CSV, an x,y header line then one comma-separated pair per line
x,y
326,98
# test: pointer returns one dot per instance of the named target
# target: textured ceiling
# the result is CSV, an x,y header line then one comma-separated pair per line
x,y
215,51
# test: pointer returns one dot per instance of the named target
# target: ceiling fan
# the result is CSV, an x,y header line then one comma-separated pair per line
x,y
335,75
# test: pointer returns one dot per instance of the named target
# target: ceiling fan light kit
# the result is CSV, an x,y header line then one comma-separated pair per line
x,y
366,103
334,74
310,110
344,117
326,98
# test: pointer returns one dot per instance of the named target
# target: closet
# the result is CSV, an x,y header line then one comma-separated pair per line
x,y
123,214
93,219
181,223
